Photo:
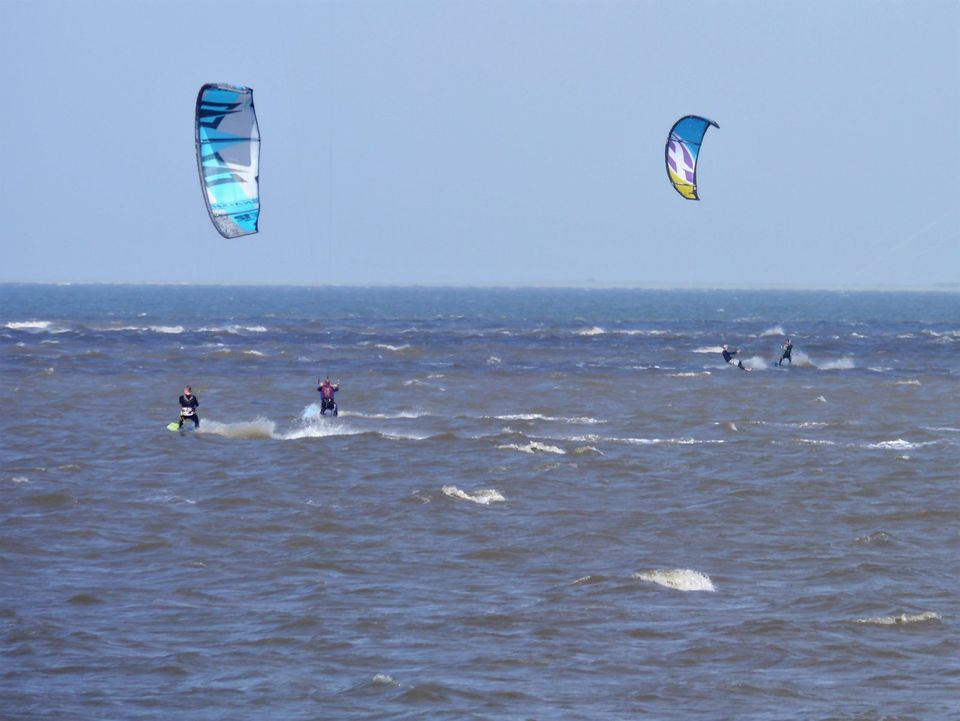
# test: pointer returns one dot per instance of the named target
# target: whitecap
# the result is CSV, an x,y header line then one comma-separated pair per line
x,y
254,352
901,619
20,479
533,447
820,399
394,348
171,329
911,382
584,450
493,361
708,349
28,325
483,496
385,679
665,441
678,579
577,420
689,374
898,445
595,330
775,330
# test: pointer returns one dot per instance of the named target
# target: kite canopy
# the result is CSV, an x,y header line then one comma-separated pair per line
x,y
228,157
683,147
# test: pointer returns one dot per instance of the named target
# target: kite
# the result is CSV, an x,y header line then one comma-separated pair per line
x,y
228,157
683,147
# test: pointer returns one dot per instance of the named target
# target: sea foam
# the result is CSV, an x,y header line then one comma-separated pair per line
x,y
679,579
483,496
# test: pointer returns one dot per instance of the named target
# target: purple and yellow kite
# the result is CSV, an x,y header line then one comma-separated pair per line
x,y
683,147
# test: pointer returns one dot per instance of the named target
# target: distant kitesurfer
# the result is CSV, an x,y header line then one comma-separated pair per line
x,y
787,350
327,403
188,408
728,357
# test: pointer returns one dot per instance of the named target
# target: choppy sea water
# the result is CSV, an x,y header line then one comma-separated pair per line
x,y
549,504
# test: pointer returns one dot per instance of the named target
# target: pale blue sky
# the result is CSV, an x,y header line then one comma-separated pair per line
x,y
488,142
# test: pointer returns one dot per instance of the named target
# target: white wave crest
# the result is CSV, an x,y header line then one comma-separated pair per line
x,y
533,447
19,479
394,348
679,579
899,445
664,441
171,329
708,349
911,382
483,496
577,420
385,679
377,416
775,330
493,361
689,374
903,618
584,450
254,352
28,325
595,330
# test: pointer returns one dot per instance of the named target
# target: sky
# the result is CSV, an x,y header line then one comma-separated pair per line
x,y
454,142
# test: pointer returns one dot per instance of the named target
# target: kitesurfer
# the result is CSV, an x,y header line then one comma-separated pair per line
x,y
188,408
327,402
728,357
787,350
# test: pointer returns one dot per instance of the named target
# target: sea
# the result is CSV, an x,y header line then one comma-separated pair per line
x,y
534,504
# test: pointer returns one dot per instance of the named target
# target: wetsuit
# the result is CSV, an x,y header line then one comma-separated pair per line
x,y
188,410
327,403
728,358
787,350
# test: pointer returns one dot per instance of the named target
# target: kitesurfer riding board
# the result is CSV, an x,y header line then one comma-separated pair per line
x,y
728,358
188,410
327,401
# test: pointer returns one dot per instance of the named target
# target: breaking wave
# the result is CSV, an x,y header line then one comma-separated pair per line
x,y
28,325
483,496
533,447
899,445
579,420
679,579
902,619
775,330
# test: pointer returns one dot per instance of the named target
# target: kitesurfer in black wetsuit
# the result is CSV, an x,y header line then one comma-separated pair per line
x,y
728,357
188,408
327,402
787,350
